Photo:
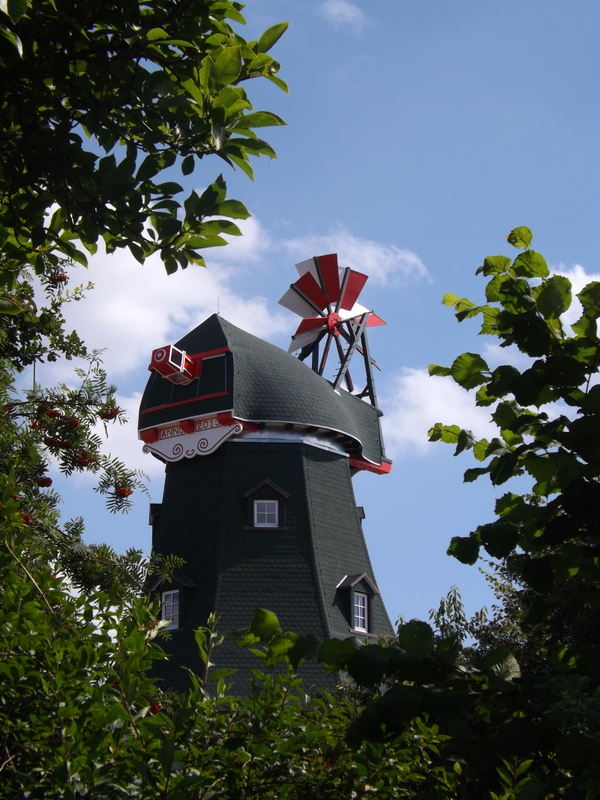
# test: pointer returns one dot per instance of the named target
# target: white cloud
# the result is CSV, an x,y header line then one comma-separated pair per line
x,y
495,355
384,263
250,247
134,308
579,278
415,401
343,14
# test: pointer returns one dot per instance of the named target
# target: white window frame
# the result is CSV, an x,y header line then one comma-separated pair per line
x,y
170,608
360,611
266,513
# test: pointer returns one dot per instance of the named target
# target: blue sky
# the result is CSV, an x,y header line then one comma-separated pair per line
x,y
420,132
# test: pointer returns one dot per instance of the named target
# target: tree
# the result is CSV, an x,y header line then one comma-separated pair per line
x,y
548,418
99,104
80,715
154,86
528,733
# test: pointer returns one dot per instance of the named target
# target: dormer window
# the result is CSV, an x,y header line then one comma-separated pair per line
x,y
265,507
360,612
356,596
266,513
170,608
174,593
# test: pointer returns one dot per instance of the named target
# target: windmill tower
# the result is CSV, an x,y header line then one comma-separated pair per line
x,y
260,448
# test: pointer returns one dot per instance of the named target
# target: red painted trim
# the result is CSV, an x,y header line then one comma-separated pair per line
x,y
198,358
379,469
208,353
183,402
250,426
149,435
187,425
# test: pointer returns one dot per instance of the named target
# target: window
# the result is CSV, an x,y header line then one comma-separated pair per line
x,y
170,608
356,595
360,612
265,507
266,513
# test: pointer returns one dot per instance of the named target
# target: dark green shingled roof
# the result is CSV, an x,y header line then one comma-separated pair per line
x,y
268,385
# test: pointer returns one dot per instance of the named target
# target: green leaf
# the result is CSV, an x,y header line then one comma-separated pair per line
x,y
473,473
334,653
434,369
187,165
444,433
234,209
450,299
12,37
464,548
368,665
227,66
467,370
278,82
495,265
498,538
503,468
480,449
530,265
304,647
15,9
520,237
589,298
502,668
264,624
258,119
416,638
222,672
553,297
502,380
271,36
9,306
466,441
156,33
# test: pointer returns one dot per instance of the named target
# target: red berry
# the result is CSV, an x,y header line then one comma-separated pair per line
x,y
123,491
109,413
44,480
154,708
52,412
73,423
27,518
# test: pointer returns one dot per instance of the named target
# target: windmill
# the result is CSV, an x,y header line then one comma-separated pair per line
x,y
260,450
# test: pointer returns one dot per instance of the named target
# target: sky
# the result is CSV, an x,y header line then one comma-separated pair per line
x,y
420,132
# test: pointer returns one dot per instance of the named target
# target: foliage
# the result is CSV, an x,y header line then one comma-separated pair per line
x,y
99,102
81,715
527,730
548,416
